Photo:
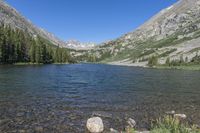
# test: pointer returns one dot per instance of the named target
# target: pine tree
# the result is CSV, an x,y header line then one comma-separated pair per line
x,y
18,46
168,61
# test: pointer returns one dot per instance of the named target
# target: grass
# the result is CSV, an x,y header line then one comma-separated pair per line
x,y
167,53
169,124
147,52
129,130
139,50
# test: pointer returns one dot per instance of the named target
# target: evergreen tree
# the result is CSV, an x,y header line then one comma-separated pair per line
x,y
18,46
168,61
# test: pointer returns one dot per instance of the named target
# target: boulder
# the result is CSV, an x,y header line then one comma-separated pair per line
x,y
180,116
142,132
95,125
170,112
113,130
131,122
102,114
39,129
198,126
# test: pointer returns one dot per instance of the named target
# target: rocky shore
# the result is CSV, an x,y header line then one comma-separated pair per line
x,y
95,124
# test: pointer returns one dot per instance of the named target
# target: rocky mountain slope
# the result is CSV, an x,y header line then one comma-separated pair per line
x,y
12,17
74,44
173,33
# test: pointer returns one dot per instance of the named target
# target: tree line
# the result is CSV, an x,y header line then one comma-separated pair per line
x,y
153,61
17,46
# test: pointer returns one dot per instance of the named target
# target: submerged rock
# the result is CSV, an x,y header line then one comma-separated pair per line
x,y
180,116
170,112
131,122
102,114
198,126
39,129
22,131
142,132
95,125
113,130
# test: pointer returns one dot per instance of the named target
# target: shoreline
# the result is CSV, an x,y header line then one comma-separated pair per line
x,y
170,122
128,64
144,65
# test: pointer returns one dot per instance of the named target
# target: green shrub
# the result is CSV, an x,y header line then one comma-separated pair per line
x,y
167,53
168,124
147,52
153,61
129,130
167,61
171,125
196,59
143,59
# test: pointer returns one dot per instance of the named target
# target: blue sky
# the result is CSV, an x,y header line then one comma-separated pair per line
x,y
89,20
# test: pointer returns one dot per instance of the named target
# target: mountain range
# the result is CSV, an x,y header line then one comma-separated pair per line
x,y
172,34
74,44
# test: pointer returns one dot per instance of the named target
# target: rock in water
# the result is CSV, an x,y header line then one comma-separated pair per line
x,y
180,116
102,114
131,122
113,130
142,132
170,112
95,125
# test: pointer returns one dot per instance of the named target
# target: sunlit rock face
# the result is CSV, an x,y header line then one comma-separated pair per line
x,y
169,20
178,23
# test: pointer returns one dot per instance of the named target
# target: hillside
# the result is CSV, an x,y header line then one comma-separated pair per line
x,y
10,16
173,33
22,42
170,37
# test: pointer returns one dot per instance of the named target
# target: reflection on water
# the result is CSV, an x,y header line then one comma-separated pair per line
x,y
60,98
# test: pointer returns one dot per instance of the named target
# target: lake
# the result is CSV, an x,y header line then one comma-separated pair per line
x,y
60,98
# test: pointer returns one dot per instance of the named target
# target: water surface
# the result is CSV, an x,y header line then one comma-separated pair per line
x,y
60,98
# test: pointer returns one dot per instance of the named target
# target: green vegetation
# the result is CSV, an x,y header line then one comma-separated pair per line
x,y
167,53
182,63
196,59
153,61
16,46
147,52
165,42
169,124
143,59
129,130
185,67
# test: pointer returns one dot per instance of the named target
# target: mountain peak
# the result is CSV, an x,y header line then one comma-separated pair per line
x,y
74,44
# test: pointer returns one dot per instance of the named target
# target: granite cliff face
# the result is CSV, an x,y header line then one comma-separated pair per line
x,y
171,33
170,20
10,16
